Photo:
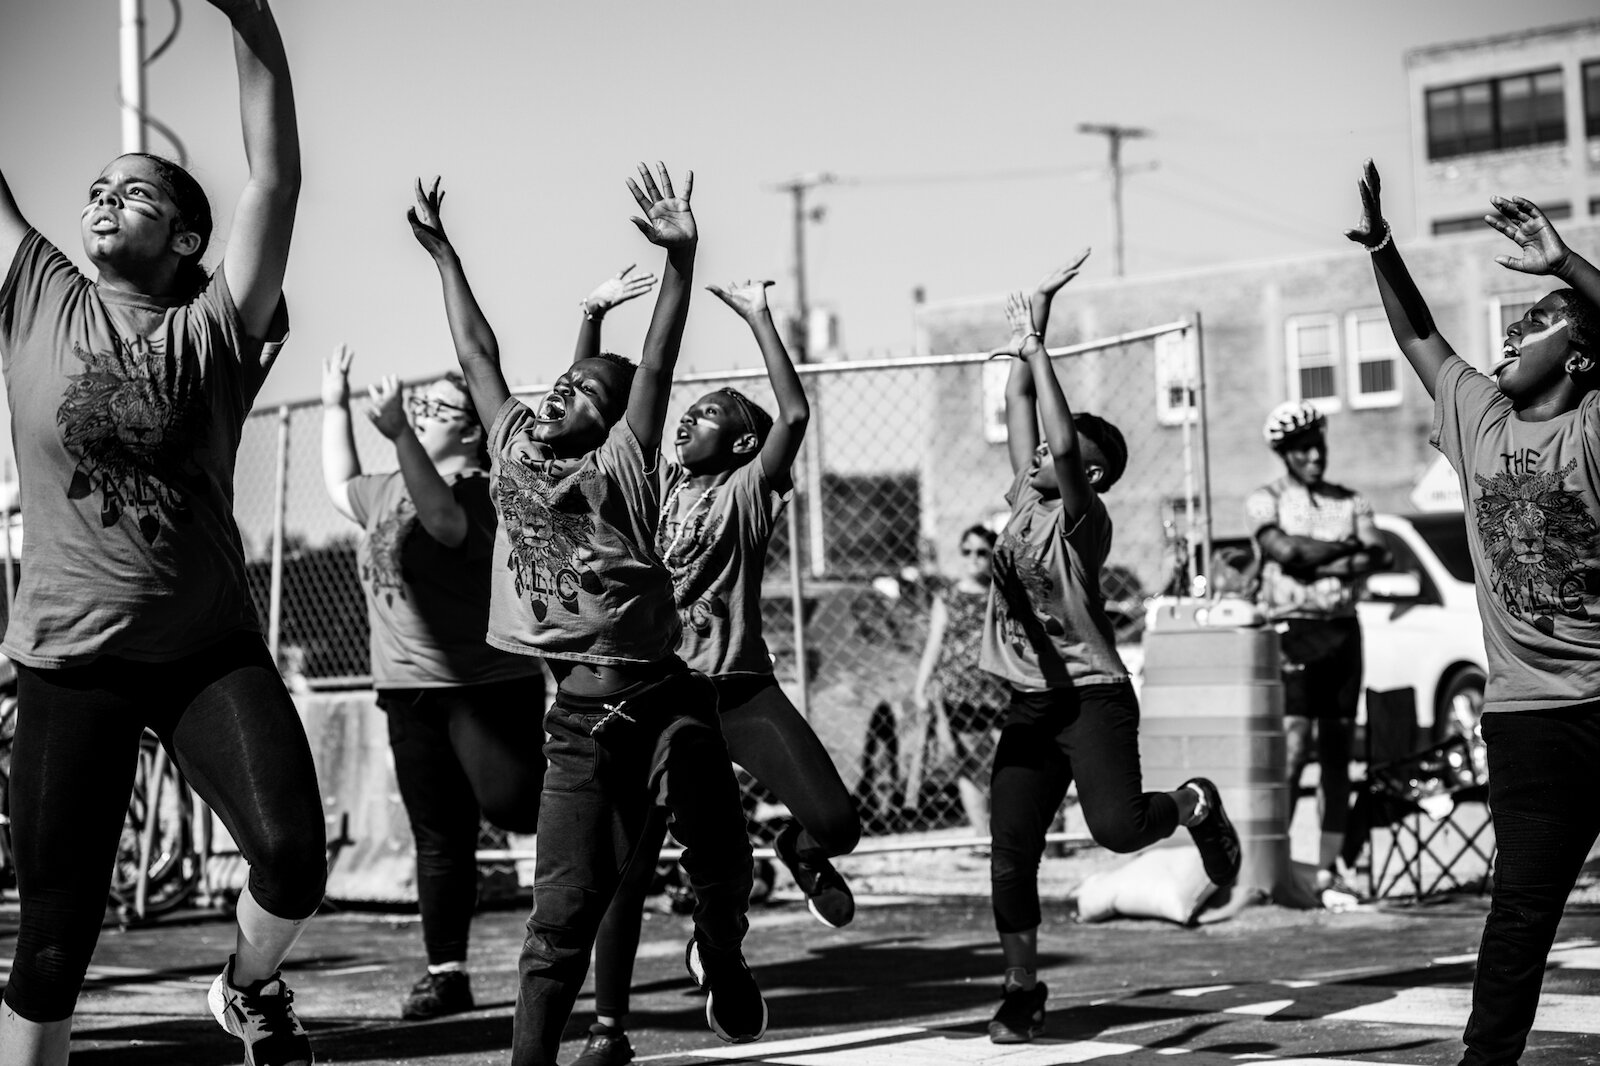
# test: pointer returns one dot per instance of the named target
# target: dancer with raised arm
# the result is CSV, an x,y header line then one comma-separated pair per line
x,y
128,395
579,581
723,499
1073,714
1522,440
464,718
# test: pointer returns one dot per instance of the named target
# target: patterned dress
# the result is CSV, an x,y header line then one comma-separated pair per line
x,y
973,698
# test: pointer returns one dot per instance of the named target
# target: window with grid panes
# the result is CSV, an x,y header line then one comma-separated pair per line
x,y
1311,344
1509,112
1373,359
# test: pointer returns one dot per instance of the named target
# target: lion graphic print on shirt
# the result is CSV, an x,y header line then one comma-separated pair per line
x,y
1531,507
1046,625
126,413
577,574
716,547
133,439
550,525
1536,538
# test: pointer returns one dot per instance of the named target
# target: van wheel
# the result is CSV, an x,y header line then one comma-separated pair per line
x,y
1460,712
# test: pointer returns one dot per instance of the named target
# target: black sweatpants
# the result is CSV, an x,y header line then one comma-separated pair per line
x,y
1088,734
460,754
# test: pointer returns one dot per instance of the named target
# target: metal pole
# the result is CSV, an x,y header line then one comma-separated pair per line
x,y
801,333
1205,444
797,604
132,40
11,525
279,508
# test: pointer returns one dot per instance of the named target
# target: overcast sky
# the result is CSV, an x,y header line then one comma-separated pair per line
x,y
953,125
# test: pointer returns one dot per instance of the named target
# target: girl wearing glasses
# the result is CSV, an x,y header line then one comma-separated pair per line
x,y
952,685
464,718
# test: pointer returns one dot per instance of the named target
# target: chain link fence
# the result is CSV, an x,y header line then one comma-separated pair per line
x,y
901,456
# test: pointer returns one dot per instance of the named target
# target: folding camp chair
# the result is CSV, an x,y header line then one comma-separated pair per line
x,y
1424,812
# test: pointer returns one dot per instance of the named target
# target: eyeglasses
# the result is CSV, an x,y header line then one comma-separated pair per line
x,y
423,406
982,553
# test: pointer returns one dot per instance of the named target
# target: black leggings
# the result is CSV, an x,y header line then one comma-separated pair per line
x,y
1089,733
458,752
226,718
766,736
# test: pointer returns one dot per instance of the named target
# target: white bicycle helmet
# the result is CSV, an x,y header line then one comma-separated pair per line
x,y
1290,419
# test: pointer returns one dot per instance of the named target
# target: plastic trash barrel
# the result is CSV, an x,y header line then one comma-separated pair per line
x,y
1212,706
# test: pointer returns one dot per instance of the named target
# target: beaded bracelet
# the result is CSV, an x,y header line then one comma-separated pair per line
x,y
1388,234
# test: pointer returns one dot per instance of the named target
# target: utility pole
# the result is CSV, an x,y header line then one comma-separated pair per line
x,y
1114,136
800,348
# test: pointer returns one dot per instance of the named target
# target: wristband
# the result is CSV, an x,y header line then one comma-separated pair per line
x,y
589,315
1388,234
1033,333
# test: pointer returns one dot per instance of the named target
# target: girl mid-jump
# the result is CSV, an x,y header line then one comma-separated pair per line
x,y
128,394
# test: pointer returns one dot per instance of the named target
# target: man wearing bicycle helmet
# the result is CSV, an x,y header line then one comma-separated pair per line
x,y
1316,540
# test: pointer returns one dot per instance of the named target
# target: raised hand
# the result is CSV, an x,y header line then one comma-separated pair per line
x,y
427,225
1052,282
1372,230
667,220
1020,317
617,290
385,406
749,298
1542,249
336,376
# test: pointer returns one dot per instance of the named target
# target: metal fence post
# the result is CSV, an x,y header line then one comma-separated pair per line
x,y
797,599
1205,447
280,503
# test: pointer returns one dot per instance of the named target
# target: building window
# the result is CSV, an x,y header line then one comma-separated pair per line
x,y
1509,112
1443,227
1591,99
1311,344
1373,359
1176,374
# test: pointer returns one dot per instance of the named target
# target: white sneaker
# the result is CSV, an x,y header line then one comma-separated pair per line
x,y
263,1017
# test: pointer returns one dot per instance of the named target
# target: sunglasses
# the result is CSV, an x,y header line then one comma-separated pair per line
x,y
982,553
422,406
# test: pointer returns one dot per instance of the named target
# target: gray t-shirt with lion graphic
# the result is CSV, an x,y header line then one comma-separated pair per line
x,y
1531,501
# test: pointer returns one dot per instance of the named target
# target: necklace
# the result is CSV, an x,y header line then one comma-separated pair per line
x,y
702,507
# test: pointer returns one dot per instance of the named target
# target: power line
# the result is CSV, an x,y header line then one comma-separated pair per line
x,y
1115,135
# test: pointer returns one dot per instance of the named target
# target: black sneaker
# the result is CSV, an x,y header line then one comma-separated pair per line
x,y
438,994
606,1047
828,897
734,1009
1020,1017
262,1016
1215,837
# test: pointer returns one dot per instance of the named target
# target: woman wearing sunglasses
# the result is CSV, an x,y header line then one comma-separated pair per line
x,y
465,719
950,682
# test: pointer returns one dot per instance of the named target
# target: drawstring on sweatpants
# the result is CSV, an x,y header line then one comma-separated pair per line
x,y
613,711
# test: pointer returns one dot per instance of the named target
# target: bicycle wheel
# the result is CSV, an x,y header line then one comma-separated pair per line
x,y
160,808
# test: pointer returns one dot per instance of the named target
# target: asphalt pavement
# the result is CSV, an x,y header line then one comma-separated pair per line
x,y
912,981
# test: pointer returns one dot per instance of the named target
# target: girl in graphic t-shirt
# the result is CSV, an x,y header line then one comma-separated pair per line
x,y
1073,713
128,394
465,720
950,681
722,499
1523,441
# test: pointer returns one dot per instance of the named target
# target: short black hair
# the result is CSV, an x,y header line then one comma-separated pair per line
x,y
628,368
978,530
1110,441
